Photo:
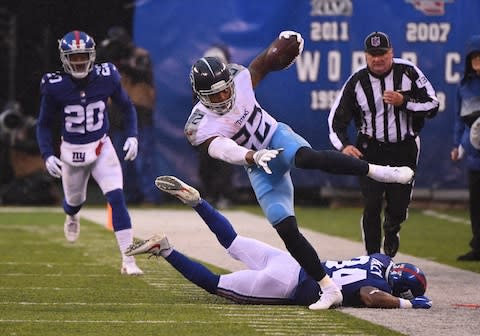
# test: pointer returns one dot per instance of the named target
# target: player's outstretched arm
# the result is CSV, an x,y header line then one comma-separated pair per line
x,y
375,298
281,54
227,150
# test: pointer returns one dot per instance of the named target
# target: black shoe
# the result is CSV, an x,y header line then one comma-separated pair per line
x,y
470,256
391,244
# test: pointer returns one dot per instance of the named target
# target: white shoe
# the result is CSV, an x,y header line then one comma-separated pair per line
x,y
330,298
129,267
156,245
386,174
179,189
71,228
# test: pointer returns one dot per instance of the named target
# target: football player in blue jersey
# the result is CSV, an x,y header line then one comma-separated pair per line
x,y
78,98
275,277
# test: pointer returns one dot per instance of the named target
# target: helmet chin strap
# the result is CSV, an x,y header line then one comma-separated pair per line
x,y
79,75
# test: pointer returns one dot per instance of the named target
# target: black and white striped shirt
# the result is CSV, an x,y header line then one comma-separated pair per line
x,y
361,100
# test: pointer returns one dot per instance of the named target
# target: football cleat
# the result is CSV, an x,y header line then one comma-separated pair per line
x,y
391,243
71,228
156,245
469,256
129,267
179,189
330,298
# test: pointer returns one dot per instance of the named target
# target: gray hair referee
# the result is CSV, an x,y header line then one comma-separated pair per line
x,y
388,100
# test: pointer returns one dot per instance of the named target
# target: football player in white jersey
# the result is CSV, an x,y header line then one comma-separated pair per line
x,y
229,124
78,97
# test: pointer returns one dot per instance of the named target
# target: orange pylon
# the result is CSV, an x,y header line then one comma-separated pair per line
x,y
109,224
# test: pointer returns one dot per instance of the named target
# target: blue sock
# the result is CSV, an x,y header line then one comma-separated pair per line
x,y
120,217
217,223
71,210
194,271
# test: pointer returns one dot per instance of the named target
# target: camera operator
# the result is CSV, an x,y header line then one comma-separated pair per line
x,y
23,179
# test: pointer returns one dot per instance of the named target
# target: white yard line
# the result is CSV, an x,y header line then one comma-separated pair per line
x,y
439,215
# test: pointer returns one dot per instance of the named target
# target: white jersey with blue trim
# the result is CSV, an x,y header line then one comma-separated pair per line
x,y
247,123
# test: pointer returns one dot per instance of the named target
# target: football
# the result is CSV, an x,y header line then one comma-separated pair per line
x,y
283,52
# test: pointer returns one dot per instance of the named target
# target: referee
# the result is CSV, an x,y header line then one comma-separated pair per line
x,y
388,100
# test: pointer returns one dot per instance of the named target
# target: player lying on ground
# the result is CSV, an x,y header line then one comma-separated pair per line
x,y
274,277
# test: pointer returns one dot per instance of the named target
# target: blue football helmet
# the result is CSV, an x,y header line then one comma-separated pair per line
x,y
407,281
209,76
74,43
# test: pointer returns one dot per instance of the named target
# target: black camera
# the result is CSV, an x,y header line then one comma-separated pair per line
x,y
16,129
11,118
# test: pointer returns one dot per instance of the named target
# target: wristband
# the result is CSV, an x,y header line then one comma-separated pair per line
x,y
405,304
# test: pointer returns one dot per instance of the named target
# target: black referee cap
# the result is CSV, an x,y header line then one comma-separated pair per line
x,y
377,43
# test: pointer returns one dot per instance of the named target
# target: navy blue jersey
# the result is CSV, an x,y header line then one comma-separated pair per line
x,y
349,276
81,105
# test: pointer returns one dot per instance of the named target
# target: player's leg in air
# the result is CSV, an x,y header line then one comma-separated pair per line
x,y
265,280
159,245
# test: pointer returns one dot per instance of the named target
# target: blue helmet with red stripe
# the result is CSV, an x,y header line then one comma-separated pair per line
x,y
77,53
407,281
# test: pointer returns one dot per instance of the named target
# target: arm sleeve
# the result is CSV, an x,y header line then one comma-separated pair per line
x,y
341,115
422,99
44,125
375,298
459,125
227,150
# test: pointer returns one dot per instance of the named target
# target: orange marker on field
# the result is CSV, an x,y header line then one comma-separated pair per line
x,y
109,224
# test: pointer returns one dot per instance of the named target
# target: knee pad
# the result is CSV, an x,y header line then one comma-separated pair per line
x,y
276,213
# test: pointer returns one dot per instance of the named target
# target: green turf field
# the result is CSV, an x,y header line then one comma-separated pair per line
x,y
51,287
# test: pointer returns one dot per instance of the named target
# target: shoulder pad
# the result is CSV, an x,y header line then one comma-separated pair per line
x,y
235,69
107,69
49,79
192,126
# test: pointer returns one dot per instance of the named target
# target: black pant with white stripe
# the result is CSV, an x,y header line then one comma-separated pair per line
x,y
396,196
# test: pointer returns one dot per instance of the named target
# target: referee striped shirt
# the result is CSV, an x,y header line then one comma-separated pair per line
x,y
361,100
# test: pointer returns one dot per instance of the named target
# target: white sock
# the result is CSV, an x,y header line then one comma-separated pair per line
x,y
124,239
167,252
374,170
326,283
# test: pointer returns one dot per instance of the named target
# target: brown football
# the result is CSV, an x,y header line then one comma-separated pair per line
x,y
281,53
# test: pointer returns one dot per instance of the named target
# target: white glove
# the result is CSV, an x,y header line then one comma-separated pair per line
x,y
461,152
475,134
54,166
286,34
131,147
263,156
